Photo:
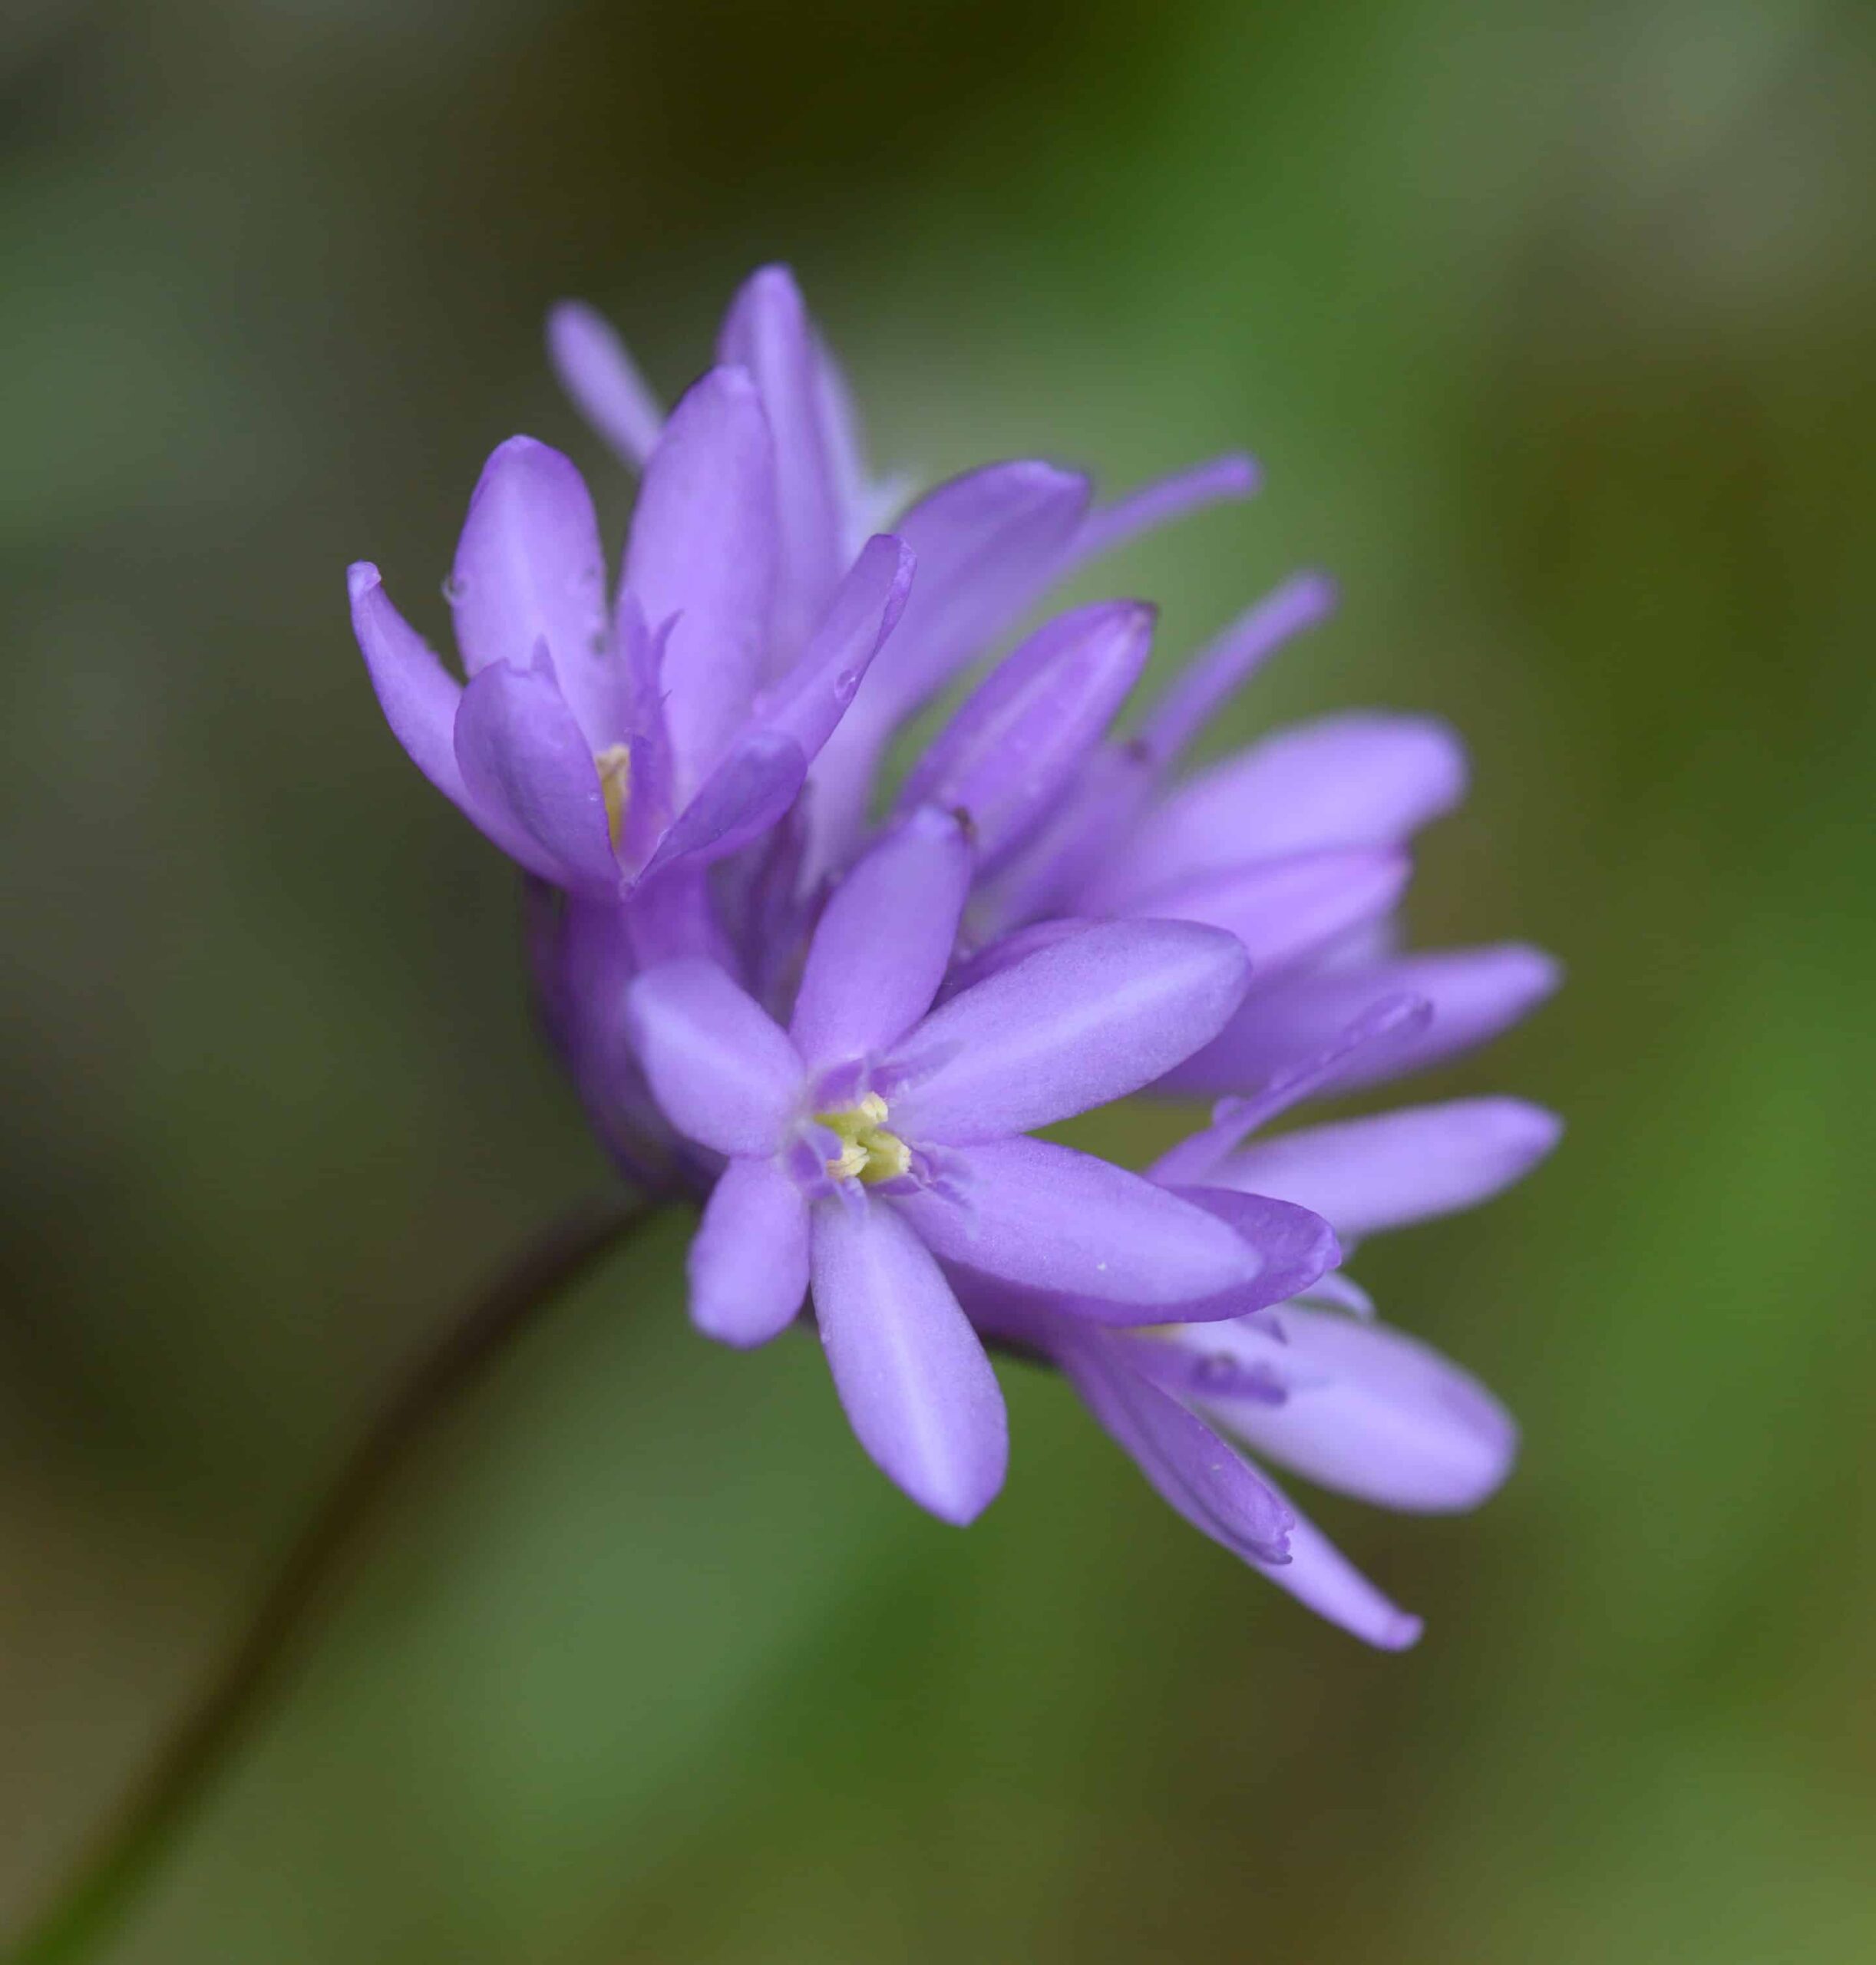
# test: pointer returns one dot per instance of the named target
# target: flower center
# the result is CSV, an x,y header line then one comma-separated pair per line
x,y
614,765
868,1152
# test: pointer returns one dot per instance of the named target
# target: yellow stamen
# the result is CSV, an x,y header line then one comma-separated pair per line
x,y
615,768
868,1152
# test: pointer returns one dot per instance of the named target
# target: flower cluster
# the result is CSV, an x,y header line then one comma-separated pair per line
x,y
836,1010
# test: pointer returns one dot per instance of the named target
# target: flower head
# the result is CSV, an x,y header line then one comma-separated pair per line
x,y
835,1008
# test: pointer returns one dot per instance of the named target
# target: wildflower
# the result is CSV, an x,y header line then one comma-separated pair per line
x,y
1348,1403
876,1135
843,1035
602,745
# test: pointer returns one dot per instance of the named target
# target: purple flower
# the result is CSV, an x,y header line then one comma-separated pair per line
x,y
1350,1405
876,1135
842,1033
601,744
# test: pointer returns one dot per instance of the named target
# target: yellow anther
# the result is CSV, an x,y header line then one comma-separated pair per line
x,y
868,1152
614,765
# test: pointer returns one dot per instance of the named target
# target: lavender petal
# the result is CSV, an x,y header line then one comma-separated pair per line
x,y
883,944
910,1371
1044,1215
1396,1167
418,695
1383,1417
1193,1469
987,544
1162,502
722,1070
748,789
1088,1018
1323,1579
1476,993
1021,737
767,332
701,563
1358,780
1284,909
809,699
528,769
1215,675
748,1260
529,569
598,373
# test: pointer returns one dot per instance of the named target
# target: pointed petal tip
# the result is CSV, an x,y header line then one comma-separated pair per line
x,y
1401,1632
774,281
1526,1130
521,449
1315,592
1040,475
1530,974
729,380
572,317
959,1508
362,578
525,463
1239,474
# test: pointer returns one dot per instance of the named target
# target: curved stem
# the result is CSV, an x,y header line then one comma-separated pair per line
x,y
105,1880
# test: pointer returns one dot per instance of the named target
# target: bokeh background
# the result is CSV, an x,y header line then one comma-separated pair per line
x,y
1552,324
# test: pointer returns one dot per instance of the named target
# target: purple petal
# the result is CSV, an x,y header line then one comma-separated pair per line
x,y
767,332
880,950
650,789
748,1261
1287,908
910,1371
987,543
526,766
1007,950
702,558
1476,993
1088,1018
809,700
1161,502
1392,1020
529,569
418,695
1372,1174
864,505
1214,675
1194,1471
1381,1417
1221,1363
600,375
671,918
1323,1580
1018,739
1360,780
748,789
1295,1248
721,1068
1042,1215
1091,819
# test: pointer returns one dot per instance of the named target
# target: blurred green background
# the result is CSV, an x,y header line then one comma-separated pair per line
x,y
1552,325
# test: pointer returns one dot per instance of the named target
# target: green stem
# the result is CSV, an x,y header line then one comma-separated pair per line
x,y
126,1850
